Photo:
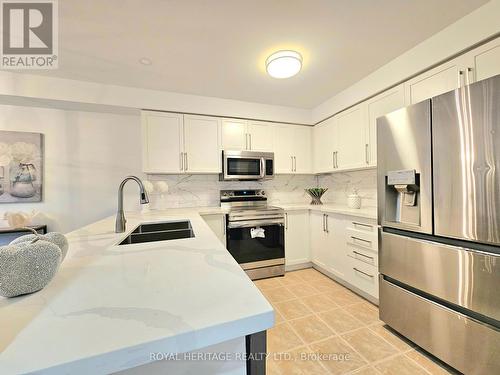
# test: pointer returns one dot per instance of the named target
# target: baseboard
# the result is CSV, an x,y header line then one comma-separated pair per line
x,y
298,266
346,284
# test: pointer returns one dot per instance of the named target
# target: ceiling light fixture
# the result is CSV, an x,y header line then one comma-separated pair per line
x,y
145,61
284,64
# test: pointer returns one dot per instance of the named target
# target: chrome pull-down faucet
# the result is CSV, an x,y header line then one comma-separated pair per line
x,y
120,216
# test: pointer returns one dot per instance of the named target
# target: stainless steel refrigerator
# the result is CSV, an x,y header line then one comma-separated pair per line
x,y
439,217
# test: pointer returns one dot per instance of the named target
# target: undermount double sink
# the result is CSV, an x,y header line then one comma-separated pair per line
x,y
164,231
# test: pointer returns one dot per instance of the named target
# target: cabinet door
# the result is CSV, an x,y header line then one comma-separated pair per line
x,y
297,250
487,60
336,246
201,144
319,245
161,142
437,81
283,148
217,223
234,134
302,149
380,105
261,136
351,138
323,146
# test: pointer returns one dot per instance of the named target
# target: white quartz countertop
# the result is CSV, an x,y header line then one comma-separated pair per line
x,y
369,213
109,307
365,212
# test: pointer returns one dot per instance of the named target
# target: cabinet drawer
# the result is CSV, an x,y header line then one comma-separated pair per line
x,y
362,226
363,276
365,256
363,240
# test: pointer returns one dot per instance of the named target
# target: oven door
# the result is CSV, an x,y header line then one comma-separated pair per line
x,y
256,252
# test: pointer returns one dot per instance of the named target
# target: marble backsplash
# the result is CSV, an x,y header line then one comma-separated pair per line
x,y
341,184
203,190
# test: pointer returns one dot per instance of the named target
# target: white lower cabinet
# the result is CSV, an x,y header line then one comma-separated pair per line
x,y
362,255
319,240
297,248
363,276
217,222
346,248
327,243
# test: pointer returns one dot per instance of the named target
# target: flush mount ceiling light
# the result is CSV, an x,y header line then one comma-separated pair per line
x,y
284,64
145,61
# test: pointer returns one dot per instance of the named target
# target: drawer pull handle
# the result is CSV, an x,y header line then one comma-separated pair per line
x,y
362,225
360,239
363,255
364,273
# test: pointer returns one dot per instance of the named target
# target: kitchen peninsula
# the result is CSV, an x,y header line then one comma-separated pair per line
x,y
112,308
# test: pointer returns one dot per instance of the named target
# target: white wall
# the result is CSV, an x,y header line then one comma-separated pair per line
x,y
15,88
86,156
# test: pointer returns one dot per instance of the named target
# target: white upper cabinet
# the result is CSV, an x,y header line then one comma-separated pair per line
x,y
302,149
324,146
341,142
201,144
260,136
486,60
283,149
480,63
247,135
174,144
437,81
380,105
351,145
292,149
234,134
162,142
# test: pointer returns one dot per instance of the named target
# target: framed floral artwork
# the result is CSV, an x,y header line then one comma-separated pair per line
x,y
21,167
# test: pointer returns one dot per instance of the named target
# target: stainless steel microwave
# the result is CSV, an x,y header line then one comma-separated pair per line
x,y
247,165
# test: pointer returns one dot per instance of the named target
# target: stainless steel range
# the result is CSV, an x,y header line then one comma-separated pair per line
x,y
255,232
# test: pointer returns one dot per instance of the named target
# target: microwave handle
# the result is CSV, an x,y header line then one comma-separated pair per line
x,y
262,168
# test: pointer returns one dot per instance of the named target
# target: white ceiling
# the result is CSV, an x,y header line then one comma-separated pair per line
x,y
218,48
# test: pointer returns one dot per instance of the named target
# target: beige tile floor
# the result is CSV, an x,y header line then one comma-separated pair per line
x,y
324,328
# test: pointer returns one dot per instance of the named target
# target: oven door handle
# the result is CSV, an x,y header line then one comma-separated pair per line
x,y
254,223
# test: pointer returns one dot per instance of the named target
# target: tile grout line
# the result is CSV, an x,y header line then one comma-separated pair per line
x,y
368,326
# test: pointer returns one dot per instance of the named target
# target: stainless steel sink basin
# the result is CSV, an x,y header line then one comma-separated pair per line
x,y
162,227
171,230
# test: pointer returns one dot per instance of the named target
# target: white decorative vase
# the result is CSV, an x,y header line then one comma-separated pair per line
x,y
354,201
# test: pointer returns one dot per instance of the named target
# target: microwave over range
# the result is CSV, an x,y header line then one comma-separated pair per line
x,y
247,165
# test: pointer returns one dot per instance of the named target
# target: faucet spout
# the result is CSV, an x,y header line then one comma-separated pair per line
x,y
120,215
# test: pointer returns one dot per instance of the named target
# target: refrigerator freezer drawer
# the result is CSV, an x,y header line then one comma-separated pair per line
x,y
465,344
461,276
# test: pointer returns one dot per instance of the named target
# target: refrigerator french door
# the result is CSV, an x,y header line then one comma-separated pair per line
x,y
439,212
